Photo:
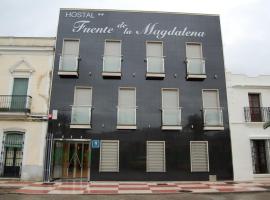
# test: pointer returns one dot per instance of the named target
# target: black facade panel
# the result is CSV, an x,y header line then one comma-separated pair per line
x,y
132,149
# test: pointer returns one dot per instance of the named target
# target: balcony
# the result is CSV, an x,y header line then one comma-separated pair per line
x,y
171,119
155,67
68,66
195,68
80,116
257,114
213,119
126,118
15,105
111,66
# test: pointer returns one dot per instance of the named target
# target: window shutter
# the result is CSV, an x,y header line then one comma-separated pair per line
x,y
199,156
210,99
170,98
154,49
112,48
109,158
194,51
155,156
127,97
83,96
71,47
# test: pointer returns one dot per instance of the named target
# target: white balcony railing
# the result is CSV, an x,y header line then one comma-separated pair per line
x,y
213,116
81,115
155,65
112,64
126,116
171,117
195,66
68,63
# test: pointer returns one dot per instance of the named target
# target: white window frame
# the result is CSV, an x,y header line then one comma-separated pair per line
x,y
191,167
132,127
151,74
196,76
86,126
68,73
209,128
100,155
163,127
164,154
112,74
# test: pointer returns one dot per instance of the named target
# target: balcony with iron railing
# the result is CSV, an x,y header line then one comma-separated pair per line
x,y
111,65
15,104
213,119
155,67
257,114
195,68
68,65
126,118
171,119
80,116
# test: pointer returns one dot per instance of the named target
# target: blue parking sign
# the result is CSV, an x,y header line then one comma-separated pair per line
x,y
95,144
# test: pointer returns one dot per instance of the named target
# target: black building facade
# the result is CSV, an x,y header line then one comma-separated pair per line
x,y
138,96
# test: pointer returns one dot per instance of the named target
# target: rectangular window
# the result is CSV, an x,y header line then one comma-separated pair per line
x,y
212,112
155,156
255,107
260,151
109,156
81,109
171,112
68,64
195,61
19,100
112,58
155,59
199,156
126,115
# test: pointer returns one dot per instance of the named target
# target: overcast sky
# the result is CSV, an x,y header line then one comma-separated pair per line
x,y
245,23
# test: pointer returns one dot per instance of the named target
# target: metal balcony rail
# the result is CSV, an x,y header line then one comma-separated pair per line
x,y
112,63
171,116
213,116
195,66
15,103
126,116
68,63
81,115
257,114
155,64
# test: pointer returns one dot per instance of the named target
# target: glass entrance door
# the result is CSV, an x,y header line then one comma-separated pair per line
x,y
74,161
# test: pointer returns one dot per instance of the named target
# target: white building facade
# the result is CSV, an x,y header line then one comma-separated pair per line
x,y
25,78
249,108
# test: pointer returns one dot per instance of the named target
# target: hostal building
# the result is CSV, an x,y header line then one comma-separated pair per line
x,y
138,96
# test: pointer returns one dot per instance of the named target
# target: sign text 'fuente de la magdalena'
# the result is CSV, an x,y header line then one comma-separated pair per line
x,y
154,28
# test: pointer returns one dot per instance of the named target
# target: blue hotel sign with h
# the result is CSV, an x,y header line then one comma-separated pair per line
x,y
95,144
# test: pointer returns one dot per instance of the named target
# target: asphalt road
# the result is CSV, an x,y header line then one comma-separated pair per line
x,y
184,196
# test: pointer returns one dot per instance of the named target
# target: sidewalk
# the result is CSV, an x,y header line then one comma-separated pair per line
x,y
133,187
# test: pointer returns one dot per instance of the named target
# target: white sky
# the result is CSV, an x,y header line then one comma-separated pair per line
x,y
245,23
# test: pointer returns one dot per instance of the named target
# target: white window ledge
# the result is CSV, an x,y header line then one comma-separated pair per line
x,y
14,114
133,127
196,76
213,128
155,75
66,73
83,126
261,176
113,74
171,127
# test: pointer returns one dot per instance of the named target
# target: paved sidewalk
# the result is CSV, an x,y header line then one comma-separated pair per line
x,y
134,187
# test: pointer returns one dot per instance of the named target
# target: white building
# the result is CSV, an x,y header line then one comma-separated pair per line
x,y
249,108
25,77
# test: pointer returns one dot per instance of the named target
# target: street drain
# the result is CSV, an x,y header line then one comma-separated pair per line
x,y
184,191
